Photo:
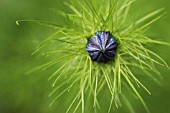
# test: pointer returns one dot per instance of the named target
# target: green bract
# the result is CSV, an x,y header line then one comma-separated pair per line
x,y
75,69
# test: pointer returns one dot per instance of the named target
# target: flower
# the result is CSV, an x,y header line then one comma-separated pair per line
x,y
76,65
102,47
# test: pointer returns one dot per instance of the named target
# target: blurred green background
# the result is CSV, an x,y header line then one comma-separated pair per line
x,y
28,93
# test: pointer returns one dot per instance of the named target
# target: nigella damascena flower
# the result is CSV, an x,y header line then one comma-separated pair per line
x,y
84,39
102,46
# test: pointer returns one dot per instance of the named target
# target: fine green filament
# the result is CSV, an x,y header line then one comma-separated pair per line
x,y
76,69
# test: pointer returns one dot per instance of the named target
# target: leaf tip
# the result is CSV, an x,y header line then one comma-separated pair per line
x,y
17,22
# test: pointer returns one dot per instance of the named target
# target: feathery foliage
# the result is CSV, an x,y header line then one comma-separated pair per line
x,y
75,65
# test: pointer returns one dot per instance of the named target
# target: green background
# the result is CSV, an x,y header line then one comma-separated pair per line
x,y
28,93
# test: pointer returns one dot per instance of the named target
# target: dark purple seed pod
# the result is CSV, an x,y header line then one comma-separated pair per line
x,y
102,46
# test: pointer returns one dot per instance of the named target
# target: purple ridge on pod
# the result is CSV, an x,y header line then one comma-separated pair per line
x,y
102,46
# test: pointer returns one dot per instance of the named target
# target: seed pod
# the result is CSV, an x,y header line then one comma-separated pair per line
x,y
102,46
